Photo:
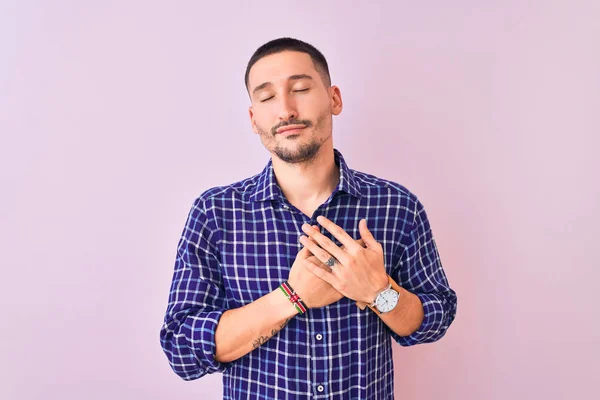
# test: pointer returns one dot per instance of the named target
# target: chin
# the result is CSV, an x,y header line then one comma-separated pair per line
x,y
297,153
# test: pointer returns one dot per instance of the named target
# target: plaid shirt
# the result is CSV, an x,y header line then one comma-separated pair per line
x,y
239,243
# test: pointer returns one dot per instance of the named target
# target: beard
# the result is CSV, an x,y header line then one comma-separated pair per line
x,y
302,152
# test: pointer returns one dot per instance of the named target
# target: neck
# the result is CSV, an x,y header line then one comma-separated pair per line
x,y
311,181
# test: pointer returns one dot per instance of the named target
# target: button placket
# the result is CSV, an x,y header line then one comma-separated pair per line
x,y
319,352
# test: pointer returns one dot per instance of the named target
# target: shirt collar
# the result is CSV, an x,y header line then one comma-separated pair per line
x,y
267,188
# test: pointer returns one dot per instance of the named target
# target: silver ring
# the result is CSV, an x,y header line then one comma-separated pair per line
x,y
331,262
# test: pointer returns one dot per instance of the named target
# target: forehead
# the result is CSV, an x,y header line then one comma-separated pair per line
x,y
278,67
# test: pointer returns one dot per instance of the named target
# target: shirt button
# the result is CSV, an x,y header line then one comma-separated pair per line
x,y
320,388
286,206
319,336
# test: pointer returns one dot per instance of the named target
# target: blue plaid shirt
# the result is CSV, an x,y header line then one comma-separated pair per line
x,y
239,243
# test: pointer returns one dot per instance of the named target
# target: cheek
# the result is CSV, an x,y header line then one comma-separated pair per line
x,y
314,106
323,119
263,125
264,116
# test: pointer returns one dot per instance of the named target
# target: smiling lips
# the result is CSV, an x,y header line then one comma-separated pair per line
x,y
290,129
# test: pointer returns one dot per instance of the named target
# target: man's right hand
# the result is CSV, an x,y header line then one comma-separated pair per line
x,y
313,291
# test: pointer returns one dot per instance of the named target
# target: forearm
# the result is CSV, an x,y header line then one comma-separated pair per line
x,y
243,329
407,316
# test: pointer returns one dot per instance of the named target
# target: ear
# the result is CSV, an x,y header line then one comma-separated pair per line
x,y
252,122
336,100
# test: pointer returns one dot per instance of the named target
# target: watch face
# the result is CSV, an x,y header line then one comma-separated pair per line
x,y
387,300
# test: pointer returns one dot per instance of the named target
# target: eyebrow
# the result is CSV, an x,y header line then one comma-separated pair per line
x,y
290,78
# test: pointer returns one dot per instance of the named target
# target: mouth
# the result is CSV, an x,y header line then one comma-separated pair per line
x,y
290,130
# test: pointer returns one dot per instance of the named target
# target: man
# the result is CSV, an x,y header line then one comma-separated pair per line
x,y
273,273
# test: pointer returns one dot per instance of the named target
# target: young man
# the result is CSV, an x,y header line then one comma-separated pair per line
x,y
273,273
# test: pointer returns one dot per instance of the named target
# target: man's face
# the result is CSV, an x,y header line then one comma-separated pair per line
x,y
287,92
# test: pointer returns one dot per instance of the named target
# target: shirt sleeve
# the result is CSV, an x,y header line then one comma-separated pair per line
x,y
420,272
196,300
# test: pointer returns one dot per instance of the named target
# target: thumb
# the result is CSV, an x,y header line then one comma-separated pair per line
x,y
365,234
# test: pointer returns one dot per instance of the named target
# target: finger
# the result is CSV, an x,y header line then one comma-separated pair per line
x,y
359,241
320,273
326,244
337,232
303,253
313,259
316,227
315,249
365,233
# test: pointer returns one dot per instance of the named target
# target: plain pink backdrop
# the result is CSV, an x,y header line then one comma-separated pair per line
x,y
115,115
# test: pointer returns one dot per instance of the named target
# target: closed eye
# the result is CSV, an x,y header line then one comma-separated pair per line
x,y
299,90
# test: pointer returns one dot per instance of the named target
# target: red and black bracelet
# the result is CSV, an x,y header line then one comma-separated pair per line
x,y
293,297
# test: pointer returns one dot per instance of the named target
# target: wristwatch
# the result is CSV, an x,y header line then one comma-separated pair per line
x,y
387,299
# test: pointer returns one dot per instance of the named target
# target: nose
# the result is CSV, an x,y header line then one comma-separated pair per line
x,y
288,108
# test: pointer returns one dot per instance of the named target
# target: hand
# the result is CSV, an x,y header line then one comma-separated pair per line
x,y
313,291
313,259
359,272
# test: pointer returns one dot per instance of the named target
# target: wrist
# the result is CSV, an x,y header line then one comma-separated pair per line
x,y
290,294
281,306
387,299
380,288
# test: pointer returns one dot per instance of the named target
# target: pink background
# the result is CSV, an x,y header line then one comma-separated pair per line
x,y
115,115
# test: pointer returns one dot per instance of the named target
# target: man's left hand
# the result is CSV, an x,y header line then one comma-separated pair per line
x,y
358,272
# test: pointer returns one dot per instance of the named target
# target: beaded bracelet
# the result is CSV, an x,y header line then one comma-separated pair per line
x,y
293,297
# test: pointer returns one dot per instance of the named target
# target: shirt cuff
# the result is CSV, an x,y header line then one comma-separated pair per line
x,y
432,328
203,340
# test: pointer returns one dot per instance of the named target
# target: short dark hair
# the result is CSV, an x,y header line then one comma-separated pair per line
x,y
291,44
